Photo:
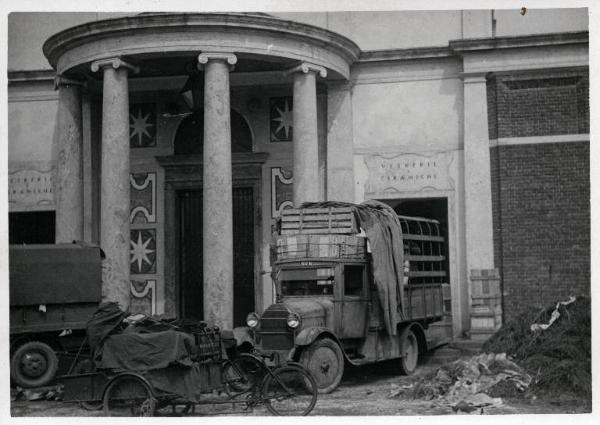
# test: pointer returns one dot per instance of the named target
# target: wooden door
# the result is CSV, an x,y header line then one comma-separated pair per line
x,y
190,248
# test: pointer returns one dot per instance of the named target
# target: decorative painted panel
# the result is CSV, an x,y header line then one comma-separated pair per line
x,y
281,119
142,125
143,198
281,190
143,296
143,251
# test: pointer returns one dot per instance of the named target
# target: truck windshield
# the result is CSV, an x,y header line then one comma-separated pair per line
x,y
306,287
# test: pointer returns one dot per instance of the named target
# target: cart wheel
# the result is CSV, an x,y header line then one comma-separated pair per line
x,y
409,348
128,395
324,359
33,364
242,374
290,391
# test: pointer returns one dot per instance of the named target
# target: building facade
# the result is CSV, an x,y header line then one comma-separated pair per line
x,y
174,140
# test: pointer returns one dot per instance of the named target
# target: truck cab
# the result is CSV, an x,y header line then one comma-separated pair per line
x,y
328,309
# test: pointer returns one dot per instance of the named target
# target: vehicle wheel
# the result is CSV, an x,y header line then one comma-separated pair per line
x,y
242,374
409,349
33,364
325,360
290,391
128,395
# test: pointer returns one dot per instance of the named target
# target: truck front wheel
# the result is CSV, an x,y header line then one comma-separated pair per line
x,y
409,347
33,364
325,360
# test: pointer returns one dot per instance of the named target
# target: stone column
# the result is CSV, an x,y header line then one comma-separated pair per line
x,y
478,188
306,148
217,191
114,180
68,187
340,145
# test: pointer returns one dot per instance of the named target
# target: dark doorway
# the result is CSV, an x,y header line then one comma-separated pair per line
x,y
190,248
31,227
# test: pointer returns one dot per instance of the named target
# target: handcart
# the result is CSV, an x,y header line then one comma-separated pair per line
x,y
185,367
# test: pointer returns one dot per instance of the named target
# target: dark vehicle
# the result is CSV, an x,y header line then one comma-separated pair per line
x,y
54,289
338,302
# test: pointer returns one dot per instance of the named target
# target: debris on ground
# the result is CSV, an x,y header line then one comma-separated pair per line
x,y
556,350
49,393
466,384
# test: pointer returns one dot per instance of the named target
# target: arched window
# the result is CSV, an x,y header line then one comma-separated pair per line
x,y
190,134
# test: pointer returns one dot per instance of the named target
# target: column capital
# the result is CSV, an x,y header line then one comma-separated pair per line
x,y
61,80
116,63
204,57
306,67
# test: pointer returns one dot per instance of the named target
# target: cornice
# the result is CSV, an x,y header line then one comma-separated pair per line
x,y
155,23
31,75
521,41
370,56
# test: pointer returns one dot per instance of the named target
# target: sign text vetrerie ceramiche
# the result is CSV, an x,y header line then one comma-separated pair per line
x,y
408,172
30,189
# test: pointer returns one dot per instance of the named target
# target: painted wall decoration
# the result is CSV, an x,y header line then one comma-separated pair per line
x,y
143,198
143,296
30,186
142,125
408,173
281,119
281,190
143,251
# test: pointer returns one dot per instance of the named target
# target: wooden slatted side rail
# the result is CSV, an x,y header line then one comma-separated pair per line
x,y
318,221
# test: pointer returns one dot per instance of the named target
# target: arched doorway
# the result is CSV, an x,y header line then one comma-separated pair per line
x,y
188,146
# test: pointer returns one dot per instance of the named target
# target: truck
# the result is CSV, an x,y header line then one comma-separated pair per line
x,y
53,290
354,284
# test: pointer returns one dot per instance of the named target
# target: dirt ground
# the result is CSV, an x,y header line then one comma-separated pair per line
x,y
365,391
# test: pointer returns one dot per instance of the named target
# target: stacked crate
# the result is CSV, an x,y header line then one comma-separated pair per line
x,y
320,233
486,303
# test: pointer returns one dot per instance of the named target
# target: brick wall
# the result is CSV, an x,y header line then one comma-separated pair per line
x,y
538,104
540,192
541,211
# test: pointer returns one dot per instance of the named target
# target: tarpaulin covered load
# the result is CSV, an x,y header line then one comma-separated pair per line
x,y
384,233
165,357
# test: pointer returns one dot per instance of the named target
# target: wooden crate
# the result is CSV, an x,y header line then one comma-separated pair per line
x,y
318,221
320,246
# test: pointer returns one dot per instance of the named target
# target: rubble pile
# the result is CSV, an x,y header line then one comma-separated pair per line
x,y
474,383
553,345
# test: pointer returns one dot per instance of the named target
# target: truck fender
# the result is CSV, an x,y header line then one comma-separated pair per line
x,y
417,330
309,335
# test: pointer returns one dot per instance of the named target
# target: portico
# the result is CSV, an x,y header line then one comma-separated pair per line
x,y
149,51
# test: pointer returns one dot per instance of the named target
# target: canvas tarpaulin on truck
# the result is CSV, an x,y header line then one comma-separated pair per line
x,y
384,233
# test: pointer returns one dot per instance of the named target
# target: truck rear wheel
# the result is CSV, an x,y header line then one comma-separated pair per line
x,y
409,348
33,364
325,360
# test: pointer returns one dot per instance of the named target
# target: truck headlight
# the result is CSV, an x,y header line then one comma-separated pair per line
x,y
293,320
252,320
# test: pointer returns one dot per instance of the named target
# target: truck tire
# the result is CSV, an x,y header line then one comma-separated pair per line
x,y
33,364
409,348
325,360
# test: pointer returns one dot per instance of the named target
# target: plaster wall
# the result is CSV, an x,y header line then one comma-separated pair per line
x,y
539,21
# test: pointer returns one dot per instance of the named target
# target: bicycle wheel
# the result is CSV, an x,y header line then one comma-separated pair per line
x,y
290,391
242,374
128,395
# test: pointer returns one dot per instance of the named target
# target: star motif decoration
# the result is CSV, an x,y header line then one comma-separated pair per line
x,y
139,126
285,119
139,251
